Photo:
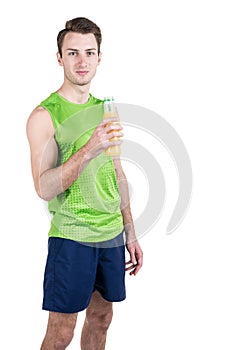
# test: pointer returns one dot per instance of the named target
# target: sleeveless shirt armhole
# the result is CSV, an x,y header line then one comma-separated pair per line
x,y
51,116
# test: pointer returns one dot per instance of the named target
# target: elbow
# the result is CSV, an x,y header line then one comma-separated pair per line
x,y
46,187
43,194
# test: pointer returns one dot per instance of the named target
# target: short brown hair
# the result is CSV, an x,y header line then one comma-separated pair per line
x,y
80,25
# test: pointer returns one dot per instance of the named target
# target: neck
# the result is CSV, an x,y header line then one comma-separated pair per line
x,y
74,93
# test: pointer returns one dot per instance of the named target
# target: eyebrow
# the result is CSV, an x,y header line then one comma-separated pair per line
x,y
91,49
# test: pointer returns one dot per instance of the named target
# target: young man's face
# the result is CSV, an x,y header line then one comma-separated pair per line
x,y
79,58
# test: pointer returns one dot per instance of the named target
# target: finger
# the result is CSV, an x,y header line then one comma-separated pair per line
x,y
140,259
113,143
139,265
112,127
133,257
132,271
128,262
136,270
113,135
109,120
130,268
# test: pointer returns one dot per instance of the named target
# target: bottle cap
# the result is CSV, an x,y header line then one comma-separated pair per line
x,y
109,99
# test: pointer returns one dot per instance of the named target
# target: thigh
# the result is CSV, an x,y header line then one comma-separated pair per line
x,y
98,305
110,278
69,276
59,322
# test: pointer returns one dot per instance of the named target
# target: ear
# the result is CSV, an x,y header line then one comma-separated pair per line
x,y
99,57
59,58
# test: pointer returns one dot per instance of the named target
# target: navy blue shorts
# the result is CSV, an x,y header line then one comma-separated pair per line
x,y
75,270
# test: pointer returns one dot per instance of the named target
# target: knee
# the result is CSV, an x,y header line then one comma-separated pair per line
x,y
57,340
60,331
63,338
60,339
99,321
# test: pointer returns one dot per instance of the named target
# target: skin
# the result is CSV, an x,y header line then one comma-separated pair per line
x,y
79,60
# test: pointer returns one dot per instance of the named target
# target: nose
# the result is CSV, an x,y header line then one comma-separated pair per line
x,y
81,60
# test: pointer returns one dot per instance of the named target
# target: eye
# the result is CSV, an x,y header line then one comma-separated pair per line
x,y
72,53
90,53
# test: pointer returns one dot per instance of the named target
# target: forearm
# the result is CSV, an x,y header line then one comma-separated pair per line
x,y
125,202
126,211
128,224
57,180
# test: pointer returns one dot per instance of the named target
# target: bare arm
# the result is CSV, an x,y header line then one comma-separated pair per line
x,y
50,180
132,245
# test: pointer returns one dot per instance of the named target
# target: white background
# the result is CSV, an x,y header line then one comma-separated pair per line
x,y
173,57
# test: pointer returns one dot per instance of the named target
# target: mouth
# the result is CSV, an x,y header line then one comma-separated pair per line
x,y
82,73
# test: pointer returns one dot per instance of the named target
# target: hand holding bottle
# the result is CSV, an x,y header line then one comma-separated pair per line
x,y
106,135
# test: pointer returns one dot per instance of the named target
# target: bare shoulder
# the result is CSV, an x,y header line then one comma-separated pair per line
x,y
39,113
39,121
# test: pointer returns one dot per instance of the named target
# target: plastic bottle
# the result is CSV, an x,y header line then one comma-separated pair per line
x,y
110,111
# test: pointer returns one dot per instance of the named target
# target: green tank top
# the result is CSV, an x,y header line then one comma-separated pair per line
x,y
89,210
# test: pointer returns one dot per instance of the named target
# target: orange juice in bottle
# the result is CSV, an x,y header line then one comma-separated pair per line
x,y
110,111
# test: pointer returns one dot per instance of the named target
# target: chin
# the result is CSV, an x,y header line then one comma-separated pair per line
x,y
83,83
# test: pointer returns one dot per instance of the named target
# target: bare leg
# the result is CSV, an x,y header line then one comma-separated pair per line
x,y
98,318
60,331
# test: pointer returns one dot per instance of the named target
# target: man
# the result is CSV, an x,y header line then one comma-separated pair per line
x,y
87,194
